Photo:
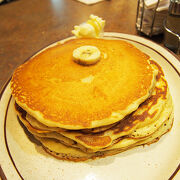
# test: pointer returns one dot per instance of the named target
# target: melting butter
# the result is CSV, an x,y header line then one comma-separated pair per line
x,y
93,28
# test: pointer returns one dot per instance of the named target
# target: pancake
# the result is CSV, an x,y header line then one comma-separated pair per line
x,y
61,151
50,88
36,124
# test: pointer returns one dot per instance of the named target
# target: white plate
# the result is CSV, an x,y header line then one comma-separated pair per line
x,y
20,158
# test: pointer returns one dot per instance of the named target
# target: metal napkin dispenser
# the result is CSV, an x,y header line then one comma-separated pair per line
x,y
150,16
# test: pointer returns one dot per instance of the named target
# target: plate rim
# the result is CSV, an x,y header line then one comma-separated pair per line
x,y
123,36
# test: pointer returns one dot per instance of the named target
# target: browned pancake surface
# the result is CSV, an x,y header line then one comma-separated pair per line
x,y
50,82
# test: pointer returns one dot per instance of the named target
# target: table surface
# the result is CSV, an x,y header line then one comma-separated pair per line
x,y
28,26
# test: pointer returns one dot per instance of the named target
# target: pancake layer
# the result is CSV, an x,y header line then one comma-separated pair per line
x,y
50,85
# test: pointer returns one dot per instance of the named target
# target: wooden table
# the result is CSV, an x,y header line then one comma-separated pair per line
x,y
28,26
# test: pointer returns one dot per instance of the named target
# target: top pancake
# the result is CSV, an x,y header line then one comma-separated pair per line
x,y
61,93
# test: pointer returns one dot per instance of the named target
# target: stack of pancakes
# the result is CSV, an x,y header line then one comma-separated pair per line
x,y
83,112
